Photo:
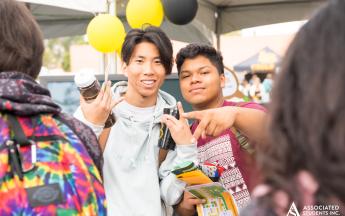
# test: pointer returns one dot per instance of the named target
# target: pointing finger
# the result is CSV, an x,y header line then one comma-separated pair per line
x,y
193,115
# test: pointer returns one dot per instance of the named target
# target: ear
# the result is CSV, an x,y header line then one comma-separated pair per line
x,y
124,68
222,80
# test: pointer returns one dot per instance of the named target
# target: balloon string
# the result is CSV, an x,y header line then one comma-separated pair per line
x,y
106,72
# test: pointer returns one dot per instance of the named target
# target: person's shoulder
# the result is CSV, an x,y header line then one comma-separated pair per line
x,y
78,127
85,135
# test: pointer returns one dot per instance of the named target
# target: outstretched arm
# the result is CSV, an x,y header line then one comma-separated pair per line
x,y
212,122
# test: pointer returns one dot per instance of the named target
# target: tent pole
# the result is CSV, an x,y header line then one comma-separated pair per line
x,y
111,57
217,21
218,41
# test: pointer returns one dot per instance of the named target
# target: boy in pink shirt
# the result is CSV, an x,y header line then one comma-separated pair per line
x,y
222,128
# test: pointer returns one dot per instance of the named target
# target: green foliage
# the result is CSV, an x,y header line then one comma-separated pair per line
x,y
57,53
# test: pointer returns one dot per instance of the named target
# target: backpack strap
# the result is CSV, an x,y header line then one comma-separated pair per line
x,y
14,144
19,135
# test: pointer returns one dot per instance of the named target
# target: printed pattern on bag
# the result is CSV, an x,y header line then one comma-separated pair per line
x,y
63,172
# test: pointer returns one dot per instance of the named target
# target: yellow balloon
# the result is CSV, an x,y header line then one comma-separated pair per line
x,y
144,12
106,33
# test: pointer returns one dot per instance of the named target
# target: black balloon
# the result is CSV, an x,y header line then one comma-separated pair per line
x,y
180,12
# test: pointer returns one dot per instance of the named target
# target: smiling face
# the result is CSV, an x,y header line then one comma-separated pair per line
x,y
201,84
145,74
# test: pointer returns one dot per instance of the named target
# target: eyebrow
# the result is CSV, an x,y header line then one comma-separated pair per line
x,y
138,56
200,68
143,57
185,72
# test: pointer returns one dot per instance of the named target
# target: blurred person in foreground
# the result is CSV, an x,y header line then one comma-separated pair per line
x,y
21,54
221,127
304,163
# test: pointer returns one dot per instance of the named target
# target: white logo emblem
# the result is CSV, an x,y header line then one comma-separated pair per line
x,y
293,210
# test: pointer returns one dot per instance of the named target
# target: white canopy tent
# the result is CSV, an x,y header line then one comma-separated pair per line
x,y
215,17
59,18
223,16
83,5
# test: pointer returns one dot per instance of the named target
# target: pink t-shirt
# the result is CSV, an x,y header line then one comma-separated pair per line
x,y
241,173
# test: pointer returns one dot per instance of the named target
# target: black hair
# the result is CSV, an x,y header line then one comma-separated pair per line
x,y
153,35
193,50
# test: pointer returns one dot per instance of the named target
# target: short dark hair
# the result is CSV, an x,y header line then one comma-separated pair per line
x,y
193,50
153,35
21,41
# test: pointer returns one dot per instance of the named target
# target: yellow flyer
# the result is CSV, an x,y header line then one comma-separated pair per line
x,y
219,202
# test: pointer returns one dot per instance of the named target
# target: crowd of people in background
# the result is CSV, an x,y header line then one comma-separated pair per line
x,y
257,86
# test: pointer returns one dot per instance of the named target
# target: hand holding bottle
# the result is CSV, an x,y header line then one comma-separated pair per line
x,y
98,110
